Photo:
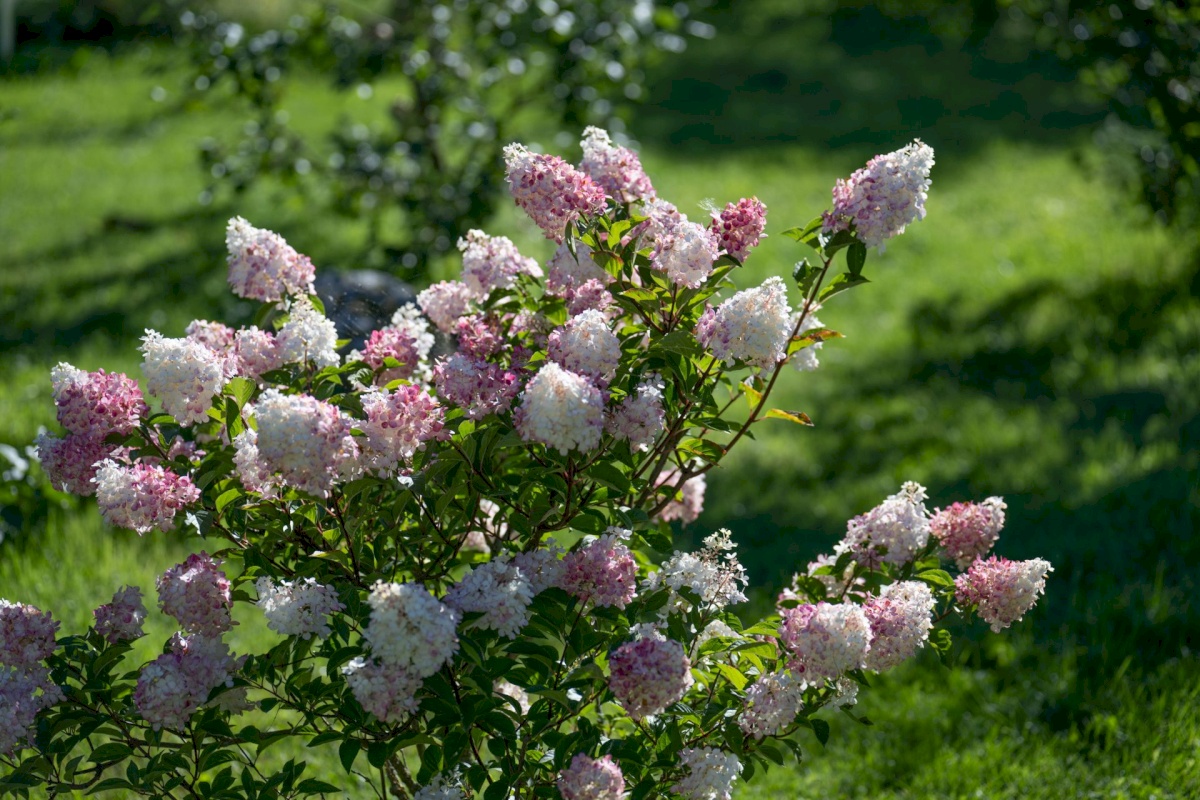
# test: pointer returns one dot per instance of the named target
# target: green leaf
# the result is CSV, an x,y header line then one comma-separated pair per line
x,y
738,680
856,257
808,234
226,498
680,342
840,284
113,751
936,577
314,786
821,729
347,752
805,275
798,417
110,783
240,389
610,476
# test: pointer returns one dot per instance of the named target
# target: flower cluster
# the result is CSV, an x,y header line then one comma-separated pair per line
x,y
772,703
306,440
262,266
492,262
883,197
196,592
752,326
475,386
121,620
602,572
825,640
183,374
649,674
617,169
901,618
561,409
174,686
714,574
687,254
95,404
592,779
444,303
586,346
297,608
711,773
142,497
387,691
1002,589
891,533
399,423
307,337
410,628
687,500
640,417
499,591
739,226
967,531
552,192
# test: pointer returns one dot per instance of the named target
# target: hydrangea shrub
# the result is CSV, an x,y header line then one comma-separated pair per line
x,y
466,562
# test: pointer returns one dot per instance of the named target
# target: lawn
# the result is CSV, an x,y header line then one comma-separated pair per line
x,y
1035,337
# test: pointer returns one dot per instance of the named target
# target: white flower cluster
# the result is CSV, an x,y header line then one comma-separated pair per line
x,y
772,704
901,618
442,787
182,373
714,573
255,474
297,608
711,774
304,439
562,410
498,590
893,532
410,628
752,326
408,319
543,567
825,640
587,346
687,254
308,336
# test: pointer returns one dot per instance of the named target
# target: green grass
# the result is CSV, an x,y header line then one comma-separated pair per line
x,y
1035,338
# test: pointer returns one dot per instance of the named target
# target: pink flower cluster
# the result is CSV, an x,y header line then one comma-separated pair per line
x,y
617,169
592,779
121,620
492,262
649,674
602,572
71,462
387,691
197,594
26,635
142,497
883,197
825,640
739,226
640,416
901,617
306,440
562,410
552,192
95,404
687,500
176,684
398,424
967,531
752,326
444,303
479,336
23,694
477,387
1002,589
262,266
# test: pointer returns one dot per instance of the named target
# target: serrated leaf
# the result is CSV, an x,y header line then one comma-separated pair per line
x,y
798,417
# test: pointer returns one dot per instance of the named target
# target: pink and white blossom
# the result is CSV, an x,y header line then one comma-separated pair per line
x,y
262,266
1003,590
142,497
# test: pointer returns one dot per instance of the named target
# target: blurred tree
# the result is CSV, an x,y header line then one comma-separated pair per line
x,y
465,78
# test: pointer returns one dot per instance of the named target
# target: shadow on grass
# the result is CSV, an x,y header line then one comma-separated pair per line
x,y
854,78
1075,402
